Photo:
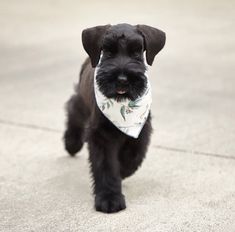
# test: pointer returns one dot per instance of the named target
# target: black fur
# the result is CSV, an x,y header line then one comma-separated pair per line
x,y
112,154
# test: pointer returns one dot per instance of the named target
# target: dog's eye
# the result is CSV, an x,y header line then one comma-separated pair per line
x,y
135,51
110,49
136,54
110,52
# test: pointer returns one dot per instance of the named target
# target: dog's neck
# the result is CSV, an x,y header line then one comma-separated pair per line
x,y
128,116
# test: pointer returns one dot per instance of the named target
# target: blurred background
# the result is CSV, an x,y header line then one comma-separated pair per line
x,y
192,154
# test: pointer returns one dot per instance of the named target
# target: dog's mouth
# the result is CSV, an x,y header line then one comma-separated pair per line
x,y
121,88
121,92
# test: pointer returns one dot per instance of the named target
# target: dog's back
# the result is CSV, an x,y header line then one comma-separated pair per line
x,y
85,88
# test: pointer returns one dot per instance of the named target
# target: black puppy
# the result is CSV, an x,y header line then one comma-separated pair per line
x,y
113,155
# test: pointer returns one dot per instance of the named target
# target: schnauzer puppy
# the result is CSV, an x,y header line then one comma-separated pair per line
x,y
117,61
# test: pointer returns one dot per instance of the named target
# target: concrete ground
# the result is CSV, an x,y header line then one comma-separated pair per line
x,y
187,182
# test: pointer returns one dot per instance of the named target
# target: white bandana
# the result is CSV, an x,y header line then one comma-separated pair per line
x,y
128,116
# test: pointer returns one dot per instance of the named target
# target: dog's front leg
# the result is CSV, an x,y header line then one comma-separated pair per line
x,y
106,174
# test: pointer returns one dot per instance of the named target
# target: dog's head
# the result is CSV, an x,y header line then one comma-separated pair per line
x,y
121,68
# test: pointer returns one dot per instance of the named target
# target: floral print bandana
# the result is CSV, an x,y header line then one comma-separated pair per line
x,y
128,116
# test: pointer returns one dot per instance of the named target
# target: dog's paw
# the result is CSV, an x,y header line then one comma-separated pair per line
x,y
72,144
110,203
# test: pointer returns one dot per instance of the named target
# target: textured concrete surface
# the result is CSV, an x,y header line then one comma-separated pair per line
x,y
187,180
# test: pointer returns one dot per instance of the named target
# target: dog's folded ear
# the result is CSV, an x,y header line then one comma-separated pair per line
x,y
92,39
154,40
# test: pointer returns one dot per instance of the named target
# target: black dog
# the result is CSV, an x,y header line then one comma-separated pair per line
x,y
113,155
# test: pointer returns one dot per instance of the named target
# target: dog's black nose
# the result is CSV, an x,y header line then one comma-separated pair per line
x,y
122,79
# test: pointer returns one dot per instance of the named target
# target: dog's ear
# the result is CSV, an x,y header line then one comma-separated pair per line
x,y
92,39
154,41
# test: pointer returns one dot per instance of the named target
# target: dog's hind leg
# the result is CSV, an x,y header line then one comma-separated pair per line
x,y
77,116
133,151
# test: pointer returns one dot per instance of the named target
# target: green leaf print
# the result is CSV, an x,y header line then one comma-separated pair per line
x,y
133,104
122,111
111,102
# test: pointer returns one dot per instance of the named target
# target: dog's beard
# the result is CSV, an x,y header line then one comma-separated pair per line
x,y
108,84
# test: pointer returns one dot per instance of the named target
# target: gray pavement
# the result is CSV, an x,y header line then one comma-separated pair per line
x,y
187,181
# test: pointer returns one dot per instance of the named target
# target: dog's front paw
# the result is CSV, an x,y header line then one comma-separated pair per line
x,y
110,203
